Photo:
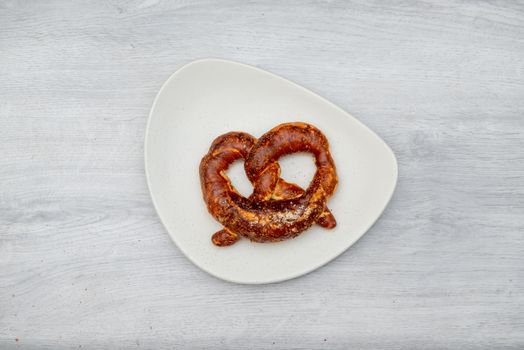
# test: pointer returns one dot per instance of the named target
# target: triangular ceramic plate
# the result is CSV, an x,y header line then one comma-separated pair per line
x,y
207,98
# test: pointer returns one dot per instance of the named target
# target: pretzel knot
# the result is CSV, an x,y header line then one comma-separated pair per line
x,y
276,210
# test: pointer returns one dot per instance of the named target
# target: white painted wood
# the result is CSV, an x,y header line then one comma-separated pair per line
x,y
85,262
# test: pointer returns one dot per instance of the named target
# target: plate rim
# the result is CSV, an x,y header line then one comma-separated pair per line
x,y
307,91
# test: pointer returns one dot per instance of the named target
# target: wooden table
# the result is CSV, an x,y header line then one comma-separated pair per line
x,y
85,262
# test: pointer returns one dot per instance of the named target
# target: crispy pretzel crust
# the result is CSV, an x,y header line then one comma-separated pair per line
x,y
277,210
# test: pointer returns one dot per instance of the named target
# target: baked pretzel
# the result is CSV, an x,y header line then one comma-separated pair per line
x,y
277,210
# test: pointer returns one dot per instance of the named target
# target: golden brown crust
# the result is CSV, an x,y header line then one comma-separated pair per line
x,y
276,210
224,238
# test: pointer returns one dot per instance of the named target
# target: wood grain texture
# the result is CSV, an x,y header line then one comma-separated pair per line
x,y
85,262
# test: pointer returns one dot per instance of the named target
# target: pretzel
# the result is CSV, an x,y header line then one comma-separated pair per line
x,y
277,210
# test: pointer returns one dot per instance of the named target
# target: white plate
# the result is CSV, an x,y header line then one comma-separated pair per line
x,y
207,98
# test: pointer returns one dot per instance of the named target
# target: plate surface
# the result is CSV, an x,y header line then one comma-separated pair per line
x,y
207,98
